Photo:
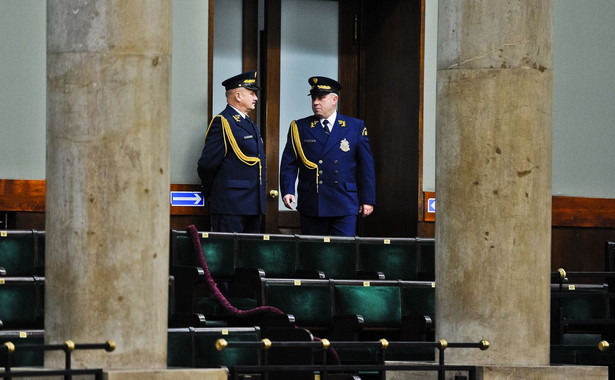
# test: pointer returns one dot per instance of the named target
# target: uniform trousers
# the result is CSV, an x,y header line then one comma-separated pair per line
x,y
329,225
236,223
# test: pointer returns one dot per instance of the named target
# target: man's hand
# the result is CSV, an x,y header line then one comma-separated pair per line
x,y
366,210
288,199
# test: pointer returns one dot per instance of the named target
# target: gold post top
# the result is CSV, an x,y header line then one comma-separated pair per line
x,y
484,345
562,273
603,345
267,343
385,343
10,347
221,344
70,345
110,346
326,343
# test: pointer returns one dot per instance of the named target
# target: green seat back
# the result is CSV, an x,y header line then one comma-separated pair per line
x,y
196,347
218,249
311,303
207,356
585,306
395,258
335,256
20,302
18,253
34,358
380,306
275,254
419,300
180,352
427,259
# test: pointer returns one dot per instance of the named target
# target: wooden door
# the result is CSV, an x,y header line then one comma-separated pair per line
x,y
380,57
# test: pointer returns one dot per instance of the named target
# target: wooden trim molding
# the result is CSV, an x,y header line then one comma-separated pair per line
x,y
17,195
29,196
22,195
583,212
566,211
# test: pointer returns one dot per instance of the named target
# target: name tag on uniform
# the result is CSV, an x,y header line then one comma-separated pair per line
x,y
309,141
248,137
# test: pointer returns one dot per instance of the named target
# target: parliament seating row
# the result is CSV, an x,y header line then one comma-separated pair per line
x,y
186,347
356,310
581,318
22,305
581,309
290,256
237,262
197,348
22,253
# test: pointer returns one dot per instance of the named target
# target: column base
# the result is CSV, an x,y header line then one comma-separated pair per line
x,y
558,372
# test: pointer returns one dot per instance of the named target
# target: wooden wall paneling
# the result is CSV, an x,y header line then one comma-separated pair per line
x,y
22,195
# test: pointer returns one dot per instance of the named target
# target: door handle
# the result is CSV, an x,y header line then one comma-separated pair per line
x,y
273,194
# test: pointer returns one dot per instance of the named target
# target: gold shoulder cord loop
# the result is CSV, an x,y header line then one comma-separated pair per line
x,y
227,134
209,127
296,140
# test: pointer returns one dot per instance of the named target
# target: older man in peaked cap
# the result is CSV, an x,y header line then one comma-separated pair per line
x,y
232,163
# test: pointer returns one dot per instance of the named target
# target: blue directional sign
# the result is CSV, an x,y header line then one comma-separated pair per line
x,y
187,198
431,205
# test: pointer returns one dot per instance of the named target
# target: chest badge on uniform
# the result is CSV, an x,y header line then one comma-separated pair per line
x,y
344,145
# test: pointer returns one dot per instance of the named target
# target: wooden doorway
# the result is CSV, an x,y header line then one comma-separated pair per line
x,y
390,102
380,67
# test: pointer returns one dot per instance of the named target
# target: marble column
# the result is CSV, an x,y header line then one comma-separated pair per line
x,y
493,179
107,172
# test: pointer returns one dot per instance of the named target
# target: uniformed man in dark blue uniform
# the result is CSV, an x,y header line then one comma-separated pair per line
x,y
331,155
232,163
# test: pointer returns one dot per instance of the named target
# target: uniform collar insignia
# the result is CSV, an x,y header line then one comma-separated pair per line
x,y
342,123
237,118
312,124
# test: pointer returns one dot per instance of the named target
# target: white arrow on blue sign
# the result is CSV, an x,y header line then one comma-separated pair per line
x,y
187,198
431,205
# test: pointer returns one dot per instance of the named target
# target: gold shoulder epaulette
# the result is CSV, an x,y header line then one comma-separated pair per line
x,y
299,153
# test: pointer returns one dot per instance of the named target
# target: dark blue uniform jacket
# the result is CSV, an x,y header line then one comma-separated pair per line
x,y
336,171
232,166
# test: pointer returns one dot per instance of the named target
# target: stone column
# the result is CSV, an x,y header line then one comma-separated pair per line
x,y
107,210
493,179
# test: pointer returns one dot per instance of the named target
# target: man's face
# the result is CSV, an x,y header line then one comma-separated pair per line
x,y
323,105
246,99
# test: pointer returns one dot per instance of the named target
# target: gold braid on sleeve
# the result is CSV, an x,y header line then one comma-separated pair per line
x,y
296,140
227,134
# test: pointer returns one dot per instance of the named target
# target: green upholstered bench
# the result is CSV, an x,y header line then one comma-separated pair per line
x,y
21,302
196,347
309,301
22,252
23,337
395,258
327,257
